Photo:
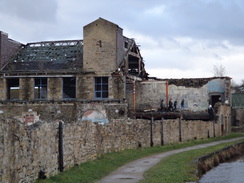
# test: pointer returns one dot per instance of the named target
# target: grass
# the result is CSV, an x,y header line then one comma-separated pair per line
x,y
179,168
94,170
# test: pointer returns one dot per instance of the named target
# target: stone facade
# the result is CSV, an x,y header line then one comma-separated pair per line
x,y
69,111
239,117
101,54
100,46
8,48
25,150
28,147
197,93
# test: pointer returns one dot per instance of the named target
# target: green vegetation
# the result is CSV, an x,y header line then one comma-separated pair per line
x,y
94,170
179,168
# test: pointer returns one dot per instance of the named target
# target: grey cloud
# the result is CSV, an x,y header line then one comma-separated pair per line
x,y
201,19
29,10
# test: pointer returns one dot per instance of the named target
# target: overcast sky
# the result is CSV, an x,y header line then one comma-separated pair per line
x,y
177,38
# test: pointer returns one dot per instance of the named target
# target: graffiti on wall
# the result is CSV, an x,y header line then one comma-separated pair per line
x,y
95,116
30,117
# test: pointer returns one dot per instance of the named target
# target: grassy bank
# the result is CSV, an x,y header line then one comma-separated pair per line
x,y
179,168
94,170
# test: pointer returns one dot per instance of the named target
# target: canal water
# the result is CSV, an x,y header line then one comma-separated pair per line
x,y
229,172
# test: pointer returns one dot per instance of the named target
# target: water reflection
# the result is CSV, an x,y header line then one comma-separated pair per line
x,y
232,172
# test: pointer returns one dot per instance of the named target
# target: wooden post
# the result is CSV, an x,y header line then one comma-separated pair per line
x,y
162,131
60,147
167,94
151,132
134,96
180,130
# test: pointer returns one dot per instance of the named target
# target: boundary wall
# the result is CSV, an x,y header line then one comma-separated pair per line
x,y
44,149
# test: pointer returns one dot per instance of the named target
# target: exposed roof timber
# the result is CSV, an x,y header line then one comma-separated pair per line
x,y
56,43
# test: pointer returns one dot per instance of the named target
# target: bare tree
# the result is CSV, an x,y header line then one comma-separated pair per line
x,y
238,87
219,70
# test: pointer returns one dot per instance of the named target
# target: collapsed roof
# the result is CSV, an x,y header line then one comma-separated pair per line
x,y
47,56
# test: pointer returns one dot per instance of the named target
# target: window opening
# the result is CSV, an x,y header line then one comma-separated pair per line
x,y
133,65
134,49
215,99
69,88
126,44
40,88
13,89
101,87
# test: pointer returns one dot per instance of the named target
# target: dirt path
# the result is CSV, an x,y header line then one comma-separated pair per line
x,y
133,172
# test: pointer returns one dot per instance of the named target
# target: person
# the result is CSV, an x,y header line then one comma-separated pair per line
x,y
162,105
182,104
170,105
211,112
175,105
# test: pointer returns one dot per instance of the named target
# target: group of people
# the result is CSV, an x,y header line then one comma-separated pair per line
x,y
171,106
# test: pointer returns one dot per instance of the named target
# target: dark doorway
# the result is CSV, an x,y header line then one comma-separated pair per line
x,y
215,99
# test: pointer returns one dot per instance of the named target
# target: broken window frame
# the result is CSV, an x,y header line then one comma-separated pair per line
x,y
13,89
69,88
126,45
133,65
40,89
101,88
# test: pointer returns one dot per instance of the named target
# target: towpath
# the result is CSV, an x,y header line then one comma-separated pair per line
x,y
133,172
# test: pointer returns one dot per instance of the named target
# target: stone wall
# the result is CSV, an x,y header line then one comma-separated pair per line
x,y
8,48
100,46
197,93
67,111
238,117
190,129
27,150
26,88
54,91
223,117
150,93
84,87
3,90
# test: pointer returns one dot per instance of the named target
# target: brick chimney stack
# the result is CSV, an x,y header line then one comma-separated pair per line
x,y
8,48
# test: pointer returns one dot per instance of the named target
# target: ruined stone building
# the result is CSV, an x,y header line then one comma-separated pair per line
x,y
198,93
79,69
48,88
92,70
100,78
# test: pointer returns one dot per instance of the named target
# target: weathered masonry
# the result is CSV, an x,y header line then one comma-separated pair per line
x,y
104,67
197,93
26,151
94,69
83,84
8,48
